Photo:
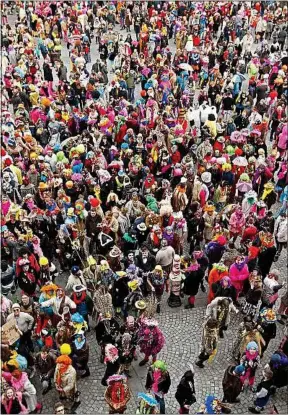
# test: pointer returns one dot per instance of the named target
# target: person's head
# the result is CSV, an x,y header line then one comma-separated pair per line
x,y
59,408
16,309
25,299
44,352
10,393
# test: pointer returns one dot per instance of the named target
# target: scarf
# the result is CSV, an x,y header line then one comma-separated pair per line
x,y
79,300
8,405
266,193
79,345
240,266
66,362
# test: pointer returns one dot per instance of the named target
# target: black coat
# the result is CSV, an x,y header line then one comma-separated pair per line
x,y
232,384
193,281
120,291
220,291
149,265
47,71
186,390
164,383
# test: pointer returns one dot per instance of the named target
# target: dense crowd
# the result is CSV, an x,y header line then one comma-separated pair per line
x,y
160,167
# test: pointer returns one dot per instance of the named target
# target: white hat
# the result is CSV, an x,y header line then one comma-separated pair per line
x,y
183,180
206,177
15,305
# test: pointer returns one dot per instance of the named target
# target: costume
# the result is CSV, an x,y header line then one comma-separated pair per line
x,y
217,273
158,381
238,273
150,339
176,283
250,360
147,405
117,394
112,362
219,309
208,342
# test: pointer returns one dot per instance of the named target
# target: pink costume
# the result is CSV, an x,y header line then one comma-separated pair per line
x,y
237,222
238,273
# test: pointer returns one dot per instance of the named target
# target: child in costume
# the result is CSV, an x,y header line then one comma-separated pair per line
x,y
250,360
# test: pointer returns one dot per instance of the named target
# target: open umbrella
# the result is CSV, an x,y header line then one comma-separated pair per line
x,y
240,161
244,187
185,66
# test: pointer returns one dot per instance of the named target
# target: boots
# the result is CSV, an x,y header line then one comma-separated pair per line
x,y
188,306
199,363
86,374
158,308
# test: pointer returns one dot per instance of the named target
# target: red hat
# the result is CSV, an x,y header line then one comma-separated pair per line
x,y
238,152
94,202
7,162
3,152
221,240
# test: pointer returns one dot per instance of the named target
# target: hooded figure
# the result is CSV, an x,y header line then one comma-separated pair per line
x,y
232,385
185,393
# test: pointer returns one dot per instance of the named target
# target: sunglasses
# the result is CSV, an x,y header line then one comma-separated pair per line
x,y
59,410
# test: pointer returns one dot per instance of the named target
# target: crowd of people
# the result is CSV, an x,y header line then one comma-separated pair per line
x,y
148,173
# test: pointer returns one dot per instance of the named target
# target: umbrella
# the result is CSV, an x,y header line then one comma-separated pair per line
x,y
185,67
148,398
240,161
244,187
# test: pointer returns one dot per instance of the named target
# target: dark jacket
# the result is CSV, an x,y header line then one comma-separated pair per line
x,y
164,383
45,367
47,71
15,408
92,225
81,355
120,291
193,281
186,390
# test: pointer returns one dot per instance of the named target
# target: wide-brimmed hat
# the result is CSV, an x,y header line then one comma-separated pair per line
x,y
79,288
140,305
